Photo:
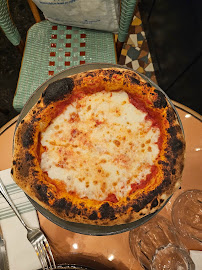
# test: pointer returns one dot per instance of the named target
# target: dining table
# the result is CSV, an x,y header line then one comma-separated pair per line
x,y
113,251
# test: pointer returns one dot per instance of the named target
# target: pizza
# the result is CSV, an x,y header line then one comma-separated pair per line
x,y
102,147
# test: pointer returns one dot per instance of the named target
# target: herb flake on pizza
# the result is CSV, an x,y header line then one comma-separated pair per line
x,y
101,147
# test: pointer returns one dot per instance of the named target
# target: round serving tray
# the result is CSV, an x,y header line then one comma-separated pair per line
x,y
79,227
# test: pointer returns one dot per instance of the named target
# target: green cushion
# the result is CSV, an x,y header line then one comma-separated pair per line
x,y
51,48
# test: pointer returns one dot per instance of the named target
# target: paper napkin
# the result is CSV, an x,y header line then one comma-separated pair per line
x,y
196,256
21,254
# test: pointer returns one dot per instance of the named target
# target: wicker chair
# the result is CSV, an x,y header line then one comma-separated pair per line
x,y
51,48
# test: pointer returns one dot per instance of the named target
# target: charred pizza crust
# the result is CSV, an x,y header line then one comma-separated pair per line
x,y
28,175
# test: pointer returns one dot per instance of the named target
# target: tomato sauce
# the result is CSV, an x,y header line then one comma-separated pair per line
x,y
152,116
59,185
143,182
111,198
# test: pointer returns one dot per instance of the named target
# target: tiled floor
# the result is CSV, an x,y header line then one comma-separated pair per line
x,y
135,53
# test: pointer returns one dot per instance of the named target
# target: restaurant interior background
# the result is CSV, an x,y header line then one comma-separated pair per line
x,y
164,43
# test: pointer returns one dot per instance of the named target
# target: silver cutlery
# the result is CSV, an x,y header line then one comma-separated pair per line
x,y
3,254
34,235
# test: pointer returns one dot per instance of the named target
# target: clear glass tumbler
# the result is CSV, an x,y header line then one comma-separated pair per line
x,y
156,246
187,214
172,257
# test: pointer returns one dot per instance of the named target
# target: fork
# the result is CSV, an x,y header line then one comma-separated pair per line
x,y
34,235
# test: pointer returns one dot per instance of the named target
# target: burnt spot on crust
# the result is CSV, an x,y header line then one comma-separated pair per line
x,y
109,73
27,135
137,207
160,101
12,171
170,159
148,85
68,208
163,163
60,204
22,121
176,145
134,80
90,74
147,198
154,203
24,165
124,208
57,90
75,210
35,173
28,157
107,211
37,119
118,72
166,172
170,115
42,193
93,216
173,171
173,130
167,181
23,168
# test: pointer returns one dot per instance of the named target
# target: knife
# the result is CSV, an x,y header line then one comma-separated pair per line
x,y
3,254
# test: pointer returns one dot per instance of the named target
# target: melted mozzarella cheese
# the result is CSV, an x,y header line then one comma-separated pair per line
x,y
100,144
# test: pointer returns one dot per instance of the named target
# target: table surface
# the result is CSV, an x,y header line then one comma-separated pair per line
x,y
113,252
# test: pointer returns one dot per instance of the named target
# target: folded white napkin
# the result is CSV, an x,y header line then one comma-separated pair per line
x,y
21,254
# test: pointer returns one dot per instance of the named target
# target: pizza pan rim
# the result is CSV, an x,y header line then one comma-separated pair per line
x,y
87,229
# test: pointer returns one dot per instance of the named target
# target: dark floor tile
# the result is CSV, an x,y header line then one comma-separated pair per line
x,y
133,53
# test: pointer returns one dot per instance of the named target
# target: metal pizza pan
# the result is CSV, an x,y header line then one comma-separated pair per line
x,y
80,227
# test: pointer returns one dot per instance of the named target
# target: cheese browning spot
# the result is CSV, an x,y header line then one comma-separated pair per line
x,y
101,146
116,142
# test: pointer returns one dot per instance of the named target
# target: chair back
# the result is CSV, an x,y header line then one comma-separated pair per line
x,y
11,32
7,24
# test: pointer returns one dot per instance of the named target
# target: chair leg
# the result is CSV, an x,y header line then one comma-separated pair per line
x,y
21,47
34,11
119,46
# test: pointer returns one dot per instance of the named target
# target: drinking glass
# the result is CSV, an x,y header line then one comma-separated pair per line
x,y
187,214
172,257
157,246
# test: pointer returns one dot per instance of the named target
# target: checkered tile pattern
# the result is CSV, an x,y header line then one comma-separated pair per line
x,y
135,53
